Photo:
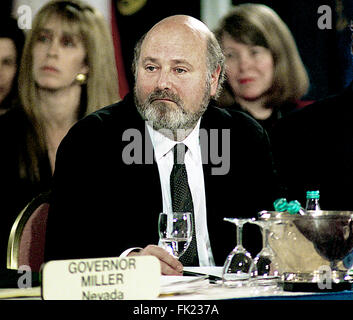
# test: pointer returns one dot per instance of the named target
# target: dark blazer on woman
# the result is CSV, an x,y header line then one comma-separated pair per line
x,y
16,190
313,150
102,205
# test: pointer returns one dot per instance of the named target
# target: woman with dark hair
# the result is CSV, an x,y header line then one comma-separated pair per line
x,y
265,74
11,44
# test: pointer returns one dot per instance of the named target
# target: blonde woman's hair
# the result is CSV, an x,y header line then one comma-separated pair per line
x,y
100,89
257,24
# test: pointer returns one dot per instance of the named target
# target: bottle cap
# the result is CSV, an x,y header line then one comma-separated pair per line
x,y
313,194
293,207
280,204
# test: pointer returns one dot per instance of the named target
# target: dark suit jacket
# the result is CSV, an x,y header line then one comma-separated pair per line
x,y
102,205
313,150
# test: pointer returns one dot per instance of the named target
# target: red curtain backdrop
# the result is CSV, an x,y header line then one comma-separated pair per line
x,y
123,83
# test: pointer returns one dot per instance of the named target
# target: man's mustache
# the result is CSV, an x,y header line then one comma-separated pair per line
x,y
165,94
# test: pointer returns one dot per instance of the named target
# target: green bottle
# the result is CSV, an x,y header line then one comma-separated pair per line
x,y
312,200
280,204
294,207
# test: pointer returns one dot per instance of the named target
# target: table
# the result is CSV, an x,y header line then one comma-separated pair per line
x,y
203,290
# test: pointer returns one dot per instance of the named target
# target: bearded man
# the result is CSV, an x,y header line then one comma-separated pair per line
x,y
107,195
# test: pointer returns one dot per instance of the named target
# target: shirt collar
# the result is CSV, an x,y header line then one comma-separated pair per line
x,y
162,145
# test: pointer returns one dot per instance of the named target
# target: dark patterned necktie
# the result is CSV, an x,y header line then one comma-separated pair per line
x,y
182,200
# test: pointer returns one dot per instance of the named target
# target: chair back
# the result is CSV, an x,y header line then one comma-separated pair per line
x,y
27,237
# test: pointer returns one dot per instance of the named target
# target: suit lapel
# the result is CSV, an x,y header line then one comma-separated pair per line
x,y
213,191
143,178
153,199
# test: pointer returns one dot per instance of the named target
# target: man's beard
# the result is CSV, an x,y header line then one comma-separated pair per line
x,y
162,116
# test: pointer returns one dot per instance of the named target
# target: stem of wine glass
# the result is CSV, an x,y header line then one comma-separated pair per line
x,y
239,234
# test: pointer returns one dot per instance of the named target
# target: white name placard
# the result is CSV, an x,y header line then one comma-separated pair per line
x,y
135,278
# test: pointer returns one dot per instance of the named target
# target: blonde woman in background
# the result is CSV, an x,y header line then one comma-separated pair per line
x,y
265,75
67,71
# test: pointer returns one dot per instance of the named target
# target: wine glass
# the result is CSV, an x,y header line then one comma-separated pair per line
x,y
264,272
175,232
237,265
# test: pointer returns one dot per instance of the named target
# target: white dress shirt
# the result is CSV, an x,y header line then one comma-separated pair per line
x,y
163,149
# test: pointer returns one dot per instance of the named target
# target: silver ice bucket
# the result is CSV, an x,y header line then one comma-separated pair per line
x,y
313,250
